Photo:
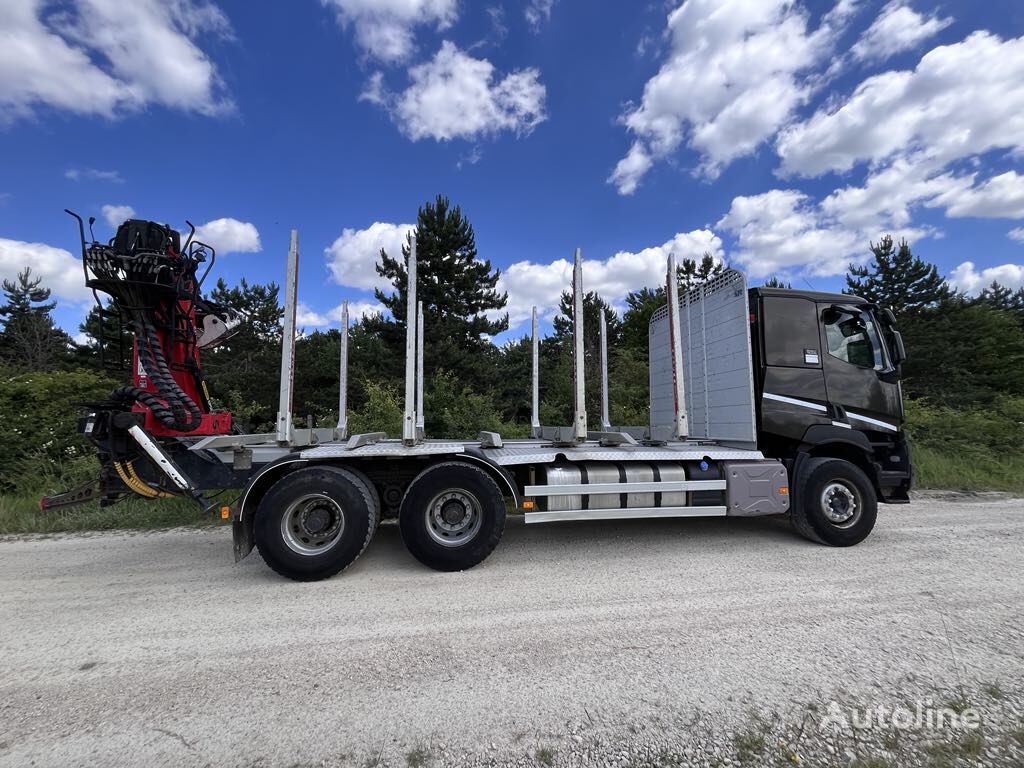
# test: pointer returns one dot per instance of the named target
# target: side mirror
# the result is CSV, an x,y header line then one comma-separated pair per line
x,y
900,351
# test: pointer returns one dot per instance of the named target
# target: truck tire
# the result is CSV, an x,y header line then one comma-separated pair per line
x,y
452,516
314,522
835,503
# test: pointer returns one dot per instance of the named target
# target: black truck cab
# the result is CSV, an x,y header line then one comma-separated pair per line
x,y
827,383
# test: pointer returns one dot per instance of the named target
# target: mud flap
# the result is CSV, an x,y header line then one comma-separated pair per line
x,y
242,536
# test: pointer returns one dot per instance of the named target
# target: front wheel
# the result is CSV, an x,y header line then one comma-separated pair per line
x,y
314,522
835,503
452,516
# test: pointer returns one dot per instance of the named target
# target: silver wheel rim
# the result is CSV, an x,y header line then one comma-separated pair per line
x,y
312,524
454,517
840,505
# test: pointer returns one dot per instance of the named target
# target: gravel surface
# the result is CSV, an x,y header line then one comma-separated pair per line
x,y
643,643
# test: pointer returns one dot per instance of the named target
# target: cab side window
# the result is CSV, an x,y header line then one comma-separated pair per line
x,y
853,338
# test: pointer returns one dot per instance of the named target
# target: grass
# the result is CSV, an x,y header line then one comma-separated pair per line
x,y
37,475
951,472
958,702
545,756
994,691
749,746
1018,735
945,753
21,514
417,758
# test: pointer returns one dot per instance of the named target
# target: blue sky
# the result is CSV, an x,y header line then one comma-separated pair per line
x,y
780,135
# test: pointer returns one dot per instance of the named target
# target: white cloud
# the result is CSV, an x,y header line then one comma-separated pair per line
x,y
968,279
114,215
630,169
305,316
531,284
384,28
357,310
60,271
93,174
538,12
887,196
230,236
107,57
734,75
1001,197
1016,234
456,96
898,28
784,231
353,256
962,100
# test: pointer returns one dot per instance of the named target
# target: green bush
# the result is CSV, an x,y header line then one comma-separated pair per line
x,y
997,429
40,412
979,448
382,412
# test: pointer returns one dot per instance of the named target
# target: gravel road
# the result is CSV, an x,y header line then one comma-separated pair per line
x,y
628,643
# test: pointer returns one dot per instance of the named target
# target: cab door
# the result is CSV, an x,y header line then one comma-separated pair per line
x,y
861,381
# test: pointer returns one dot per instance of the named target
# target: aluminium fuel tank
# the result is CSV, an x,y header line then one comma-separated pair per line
x,y
626,475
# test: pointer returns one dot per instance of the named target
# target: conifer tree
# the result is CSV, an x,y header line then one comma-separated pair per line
x,y
30,340
997,296
898,280
692,273
458,291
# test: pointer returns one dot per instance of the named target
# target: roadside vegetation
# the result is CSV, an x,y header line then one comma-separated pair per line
x,y
963,381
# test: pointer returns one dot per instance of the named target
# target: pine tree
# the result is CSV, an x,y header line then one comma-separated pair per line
x,y
691,273
775,282
103,328
642,304
458,291
898,280
557,351
997,296
243,374
636,320
30,340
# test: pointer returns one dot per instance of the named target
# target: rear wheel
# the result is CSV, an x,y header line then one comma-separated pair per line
x,y
314,522
452,516
835,503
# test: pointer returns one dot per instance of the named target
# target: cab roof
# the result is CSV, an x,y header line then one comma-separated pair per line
x,y
820,296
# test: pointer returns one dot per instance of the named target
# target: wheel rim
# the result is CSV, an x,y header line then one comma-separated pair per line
x,y
840,504
312,524
454,517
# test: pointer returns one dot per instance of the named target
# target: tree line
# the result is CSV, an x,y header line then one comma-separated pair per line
x,y
964,352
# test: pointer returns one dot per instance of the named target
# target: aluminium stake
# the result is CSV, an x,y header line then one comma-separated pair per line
x,y
343,376
285,432
409,417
